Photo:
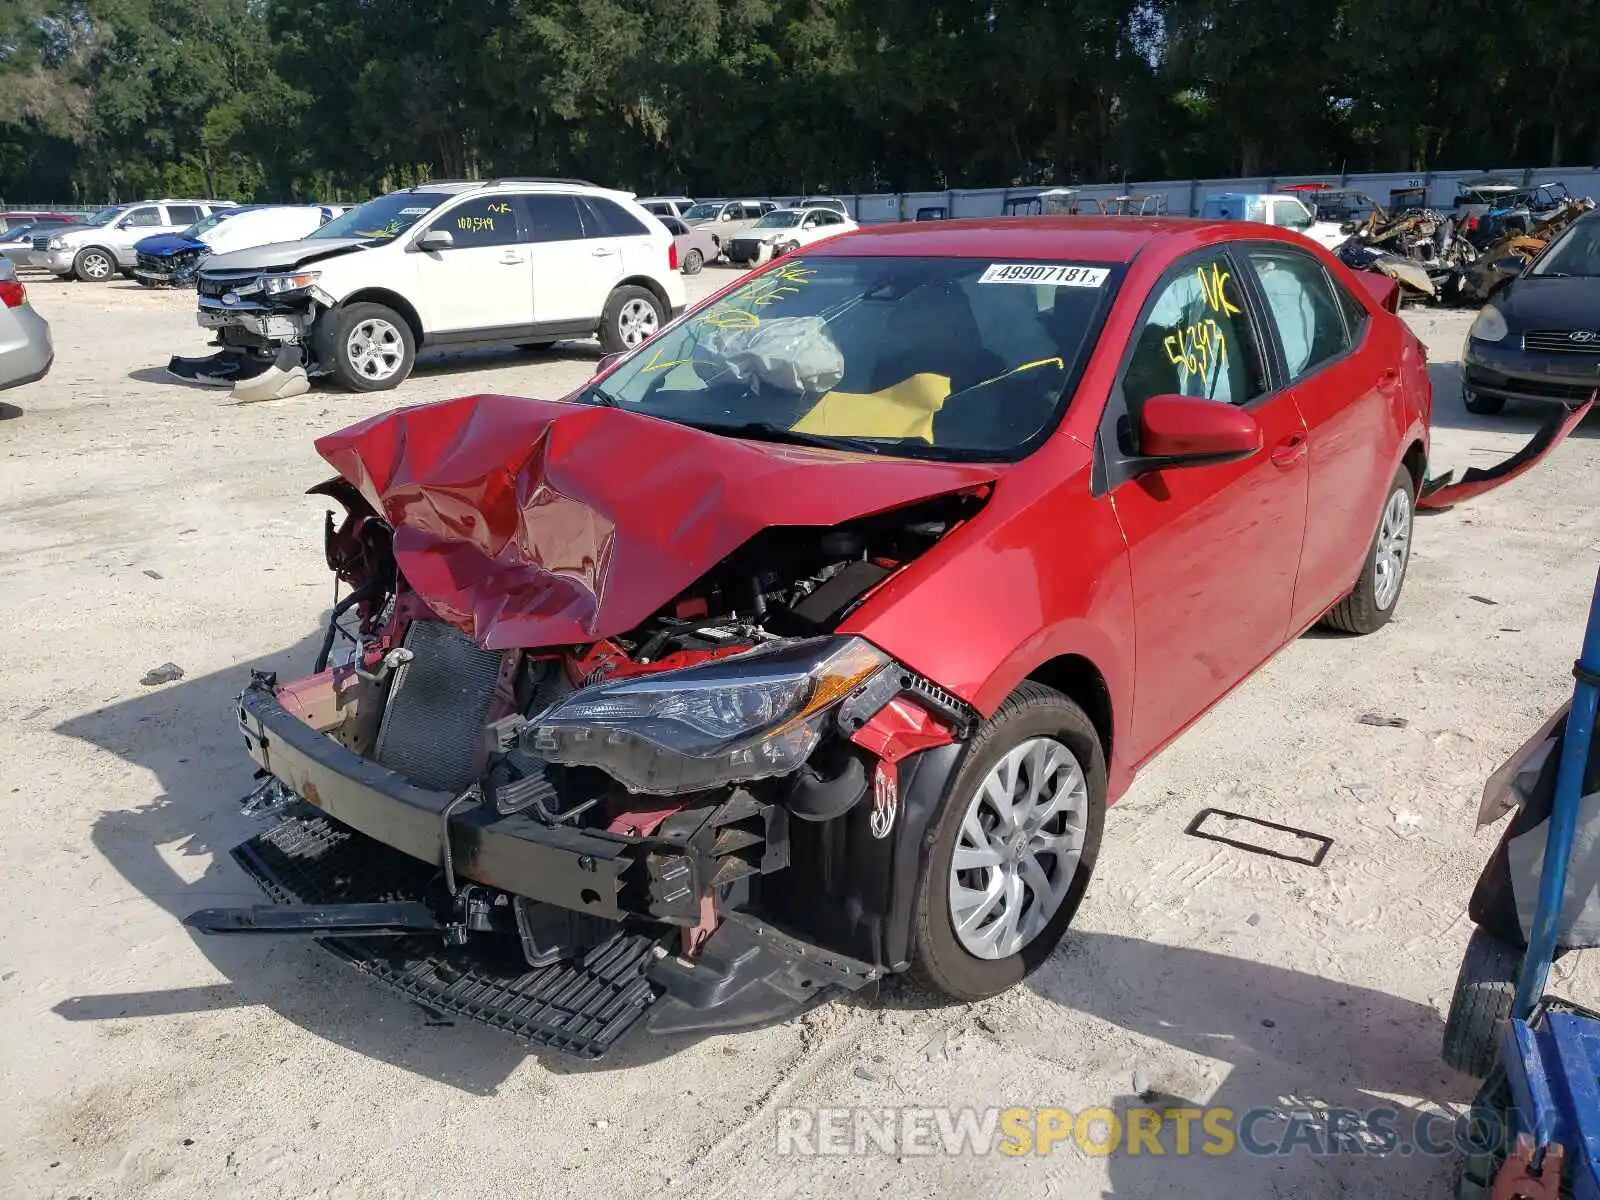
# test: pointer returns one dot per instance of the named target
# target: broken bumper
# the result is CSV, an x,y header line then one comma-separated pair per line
x,y
356,863
1446,490
515,852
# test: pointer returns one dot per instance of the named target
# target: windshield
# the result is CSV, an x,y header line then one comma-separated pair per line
x,y
211,222
106,215
779,220
385,218
702,212
921,357
1575,253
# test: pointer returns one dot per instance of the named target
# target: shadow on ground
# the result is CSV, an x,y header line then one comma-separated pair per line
x,y
1449,412
185,735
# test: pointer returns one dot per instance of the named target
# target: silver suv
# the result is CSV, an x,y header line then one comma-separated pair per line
x,y
103,244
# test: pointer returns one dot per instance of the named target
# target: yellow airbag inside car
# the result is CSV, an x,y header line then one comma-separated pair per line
x,y
902,411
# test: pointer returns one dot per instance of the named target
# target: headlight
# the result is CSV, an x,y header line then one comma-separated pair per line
x,y
56,243
277,285
1490,325
749,716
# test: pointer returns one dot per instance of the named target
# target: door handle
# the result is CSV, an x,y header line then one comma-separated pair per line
x,y
511,258
1289,451
603,251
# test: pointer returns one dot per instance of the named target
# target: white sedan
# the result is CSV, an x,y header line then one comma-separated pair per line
x,y
782,231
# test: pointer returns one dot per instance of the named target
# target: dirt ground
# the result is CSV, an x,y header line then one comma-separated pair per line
x,y
145,522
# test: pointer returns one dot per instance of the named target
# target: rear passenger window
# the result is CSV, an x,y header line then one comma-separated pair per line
x,y
605,218
1196,341
552,218
1300,296
183,214
1355,315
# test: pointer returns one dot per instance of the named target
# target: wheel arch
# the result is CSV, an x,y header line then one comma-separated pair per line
x,y
1079,680
653,287
392,300
1415,461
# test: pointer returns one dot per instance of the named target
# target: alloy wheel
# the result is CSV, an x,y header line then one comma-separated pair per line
x,y
1394,548
1018,848
375,349
637,321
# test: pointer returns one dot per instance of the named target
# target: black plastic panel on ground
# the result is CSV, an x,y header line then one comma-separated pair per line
x,y
582,1007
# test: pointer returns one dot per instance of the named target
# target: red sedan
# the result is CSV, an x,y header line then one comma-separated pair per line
x,y
811,639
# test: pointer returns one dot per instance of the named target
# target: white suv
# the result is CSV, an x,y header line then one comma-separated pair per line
x,y
103,245
441,265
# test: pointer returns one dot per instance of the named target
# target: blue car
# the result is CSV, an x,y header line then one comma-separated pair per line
x,y
173,259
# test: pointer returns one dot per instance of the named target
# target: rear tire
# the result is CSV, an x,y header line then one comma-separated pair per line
x,y
632,316
1486,986
693,262
1483,406
943,960
1371,603
368,347
94,265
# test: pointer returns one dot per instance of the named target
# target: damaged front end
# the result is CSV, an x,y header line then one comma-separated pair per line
x,y
262,324
703,820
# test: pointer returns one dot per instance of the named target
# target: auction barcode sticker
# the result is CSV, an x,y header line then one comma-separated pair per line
x,y
1054,274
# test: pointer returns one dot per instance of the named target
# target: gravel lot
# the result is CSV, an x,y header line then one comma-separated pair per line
x,y
142,522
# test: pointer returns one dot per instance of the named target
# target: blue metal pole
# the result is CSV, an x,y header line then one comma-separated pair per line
x,y
1535,971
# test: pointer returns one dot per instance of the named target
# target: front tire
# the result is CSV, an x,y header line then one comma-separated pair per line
x,y
1483,406
94,265
368,347
1371,603
1014,846
632,316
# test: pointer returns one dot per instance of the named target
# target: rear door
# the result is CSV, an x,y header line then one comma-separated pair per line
x,y
566,263
1342,367
638,249
1213,550
482,285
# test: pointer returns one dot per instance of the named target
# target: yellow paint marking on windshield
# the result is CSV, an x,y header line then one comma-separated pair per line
x,y
1027,366
1214,288
655,363
731,313
903,410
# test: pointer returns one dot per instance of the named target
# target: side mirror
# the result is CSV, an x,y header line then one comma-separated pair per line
x,y
1191,431
1511,264
607,361
436,239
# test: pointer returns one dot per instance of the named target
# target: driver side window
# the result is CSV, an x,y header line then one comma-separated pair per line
x,y
143,218
1195,340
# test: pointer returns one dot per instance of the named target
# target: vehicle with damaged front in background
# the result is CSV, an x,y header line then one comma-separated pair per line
x,y
810,640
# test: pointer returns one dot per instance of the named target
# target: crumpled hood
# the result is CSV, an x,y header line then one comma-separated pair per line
x,y
536,523
283,254
163,245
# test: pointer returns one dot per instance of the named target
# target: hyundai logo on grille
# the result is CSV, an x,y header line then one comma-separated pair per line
x,y
1582,335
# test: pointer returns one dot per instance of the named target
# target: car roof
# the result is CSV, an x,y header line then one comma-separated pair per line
x,y
1091,239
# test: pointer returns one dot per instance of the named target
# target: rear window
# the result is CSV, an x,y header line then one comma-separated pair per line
x,y
1234,208
926,357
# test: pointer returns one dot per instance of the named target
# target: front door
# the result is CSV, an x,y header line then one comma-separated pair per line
x,y
482,285
1213,550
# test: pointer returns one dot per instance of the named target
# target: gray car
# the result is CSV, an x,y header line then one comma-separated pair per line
x,y
25,349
